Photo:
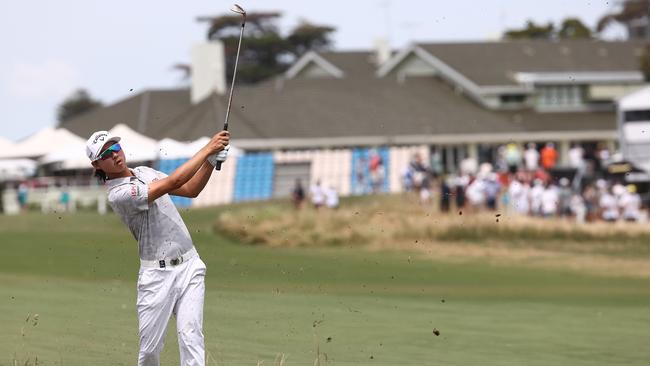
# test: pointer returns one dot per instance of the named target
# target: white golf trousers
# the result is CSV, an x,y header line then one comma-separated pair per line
x,y
177,290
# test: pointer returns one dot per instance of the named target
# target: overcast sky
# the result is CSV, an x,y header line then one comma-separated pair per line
x,y
50,48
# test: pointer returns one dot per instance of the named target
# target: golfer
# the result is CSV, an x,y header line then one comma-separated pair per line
x,y
171,276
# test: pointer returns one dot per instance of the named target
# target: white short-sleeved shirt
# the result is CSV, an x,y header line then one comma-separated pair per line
x,y
158,227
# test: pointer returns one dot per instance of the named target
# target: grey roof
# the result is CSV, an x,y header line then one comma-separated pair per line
x,y
493,63
333,108
143,112
357,105
355,64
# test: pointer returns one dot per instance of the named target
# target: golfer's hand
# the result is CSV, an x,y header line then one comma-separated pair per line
x,y
219,157
219,142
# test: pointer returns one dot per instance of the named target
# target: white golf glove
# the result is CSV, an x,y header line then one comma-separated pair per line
x,y
220,156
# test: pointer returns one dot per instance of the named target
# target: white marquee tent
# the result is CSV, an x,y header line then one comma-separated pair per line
x,y
41,143
137,147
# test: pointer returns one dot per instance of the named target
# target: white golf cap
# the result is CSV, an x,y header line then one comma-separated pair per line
x,y
96,141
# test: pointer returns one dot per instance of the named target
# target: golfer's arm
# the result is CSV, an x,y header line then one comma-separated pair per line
x,y
195,185
179,177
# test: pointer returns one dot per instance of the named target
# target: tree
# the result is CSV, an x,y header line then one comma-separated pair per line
x,y
307,36
645,63
531,31
265,52
77,103
629,14
573,28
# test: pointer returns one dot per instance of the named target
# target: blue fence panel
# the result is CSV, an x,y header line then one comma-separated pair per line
x,y
254,177
167,166
370,170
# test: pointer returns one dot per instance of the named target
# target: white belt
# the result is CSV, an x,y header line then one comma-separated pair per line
x,y
172,262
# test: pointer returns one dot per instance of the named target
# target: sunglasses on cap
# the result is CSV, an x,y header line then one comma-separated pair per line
x,y
109,152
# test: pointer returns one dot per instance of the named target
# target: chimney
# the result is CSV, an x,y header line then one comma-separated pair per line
x,y
208,70
382,51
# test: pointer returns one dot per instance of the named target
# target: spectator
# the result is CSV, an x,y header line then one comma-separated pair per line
x,y
376,171
445,193
630,203
468,166
590,196
603,155
460,185
298,194
536,193
420,176
360,173
549,200
564,197
501,164
23,191
317,195
578,208
531,157
513,157
64,200
576,157
492,190
519,196
609,206
331,197
549,156
476,193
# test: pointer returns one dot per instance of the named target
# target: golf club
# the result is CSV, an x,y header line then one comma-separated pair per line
x,y
236,9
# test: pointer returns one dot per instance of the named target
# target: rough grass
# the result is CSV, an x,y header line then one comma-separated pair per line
x,y
398,222
343,305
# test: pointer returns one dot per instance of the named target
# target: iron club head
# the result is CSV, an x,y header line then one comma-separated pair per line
x,y
238,9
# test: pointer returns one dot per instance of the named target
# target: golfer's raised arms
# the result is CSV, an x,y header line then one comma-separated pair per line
x,y
180,182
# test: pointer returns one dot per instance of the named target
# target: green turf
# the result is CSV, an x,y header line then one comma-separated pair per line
x,y
78,272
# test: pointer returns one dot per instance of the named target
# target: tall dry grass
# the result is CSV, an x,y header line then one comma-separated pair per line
x,y
400,222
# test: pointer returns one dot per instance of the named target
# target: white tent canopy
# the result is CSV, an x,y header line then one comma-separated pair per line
x,y
137,147
638,100
172,149
41,143
71,156
16,168
6,144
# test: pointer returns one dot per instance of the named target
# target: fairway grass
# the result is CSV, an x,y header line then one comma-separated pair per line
x,y
341,305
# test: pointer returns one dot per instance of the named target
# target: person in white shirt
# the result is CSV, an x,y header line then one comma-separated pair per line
x,y
317,194
549,199
576,156
630,204
609,206
331,197
531,157
518,192
476,193
171,279
535,198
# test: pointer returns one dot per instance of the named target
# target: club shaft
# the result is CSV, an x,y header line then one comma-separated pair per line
x,y
232,84
234,76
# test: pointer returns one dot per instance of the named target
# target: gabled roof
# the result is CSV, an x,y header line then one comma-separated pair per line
x,y
309,58
141,112
344,112
490,64
494,63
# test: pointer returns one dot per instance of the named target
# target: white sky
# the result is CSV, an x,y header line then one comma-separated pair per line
x,y
50,48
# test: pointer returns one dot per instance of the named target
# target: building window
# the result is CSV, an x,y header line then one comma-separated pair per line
x,y
512,99
560,96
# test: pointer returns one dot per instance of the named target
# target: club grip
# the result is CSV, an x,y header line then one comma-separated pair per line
x,y
218,165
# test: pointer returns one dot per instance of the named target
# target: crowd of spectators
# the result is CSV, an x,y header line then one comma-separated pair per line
x,y
530,182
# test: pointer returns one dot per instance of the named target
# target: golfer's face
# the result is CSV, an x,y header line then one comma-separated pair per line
x,y
112,161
